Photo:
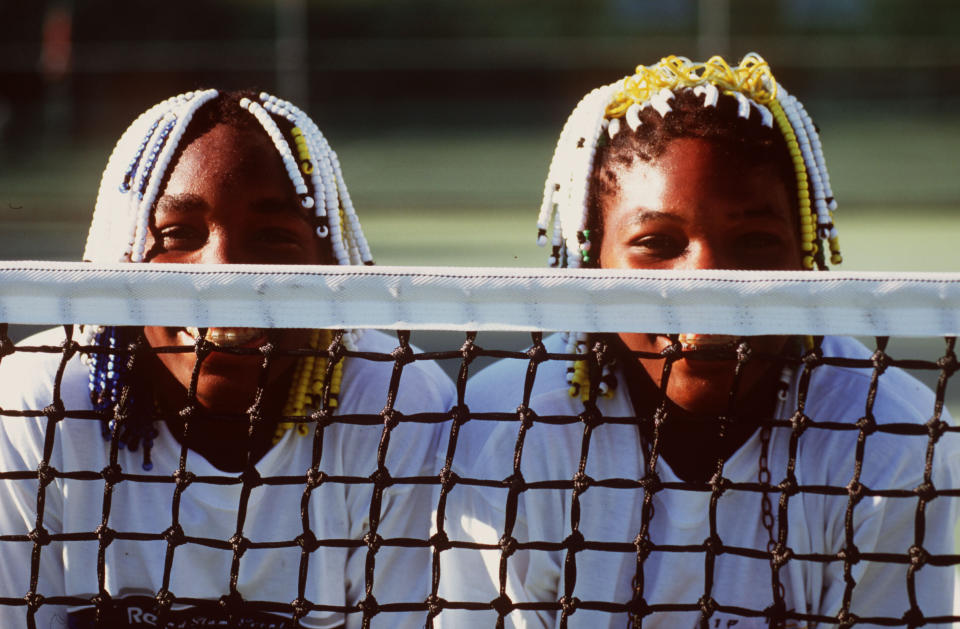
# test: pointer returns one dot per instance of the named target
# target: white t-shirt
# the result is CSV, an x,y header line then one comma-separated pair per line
x,y
674,573
335,573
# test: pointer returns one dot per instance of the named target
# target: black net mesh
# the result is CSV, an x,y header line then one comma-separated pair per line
x,y
777,484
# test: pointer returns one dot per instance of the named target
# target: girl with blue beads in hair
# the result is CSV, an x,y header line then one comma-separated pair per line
x,y
662,520
159,514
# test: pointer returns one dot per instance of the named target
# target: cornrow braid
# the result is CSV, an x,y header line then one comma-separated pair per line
x,y
636,117
136,172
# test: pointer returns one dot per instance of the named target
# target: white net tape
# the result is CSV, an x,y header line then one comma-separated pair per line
x,y
460,298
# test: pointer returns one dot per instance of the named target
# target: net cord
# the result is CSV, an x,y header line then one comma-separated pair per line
x,y
478,299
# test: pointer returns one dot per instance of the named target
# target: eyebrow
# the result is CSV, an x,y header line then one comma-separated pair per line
x,y
645,216
188,203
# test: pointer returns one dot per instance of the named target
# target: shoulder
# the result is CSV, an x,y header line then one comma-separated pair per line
x,y
499,387
898,396
895,450
423,385
28,375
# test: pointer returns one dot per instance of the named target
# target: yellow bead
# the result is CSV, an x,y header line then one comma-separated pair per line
x,y
807,262
836,259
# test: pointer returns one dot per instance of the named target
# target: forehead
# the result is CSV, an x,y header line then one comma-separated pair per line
x,y
696,174
226,155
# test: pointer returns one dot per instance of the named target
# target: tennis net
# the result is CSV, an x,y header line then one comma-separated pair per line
x,y
497,499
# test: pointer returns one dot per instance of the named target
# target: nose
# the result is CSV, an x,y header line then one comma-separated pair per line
x,y
222,248
703,254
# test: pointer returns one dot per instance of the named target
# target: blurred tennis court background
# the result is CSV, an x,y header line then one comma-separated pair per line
x,y
445,114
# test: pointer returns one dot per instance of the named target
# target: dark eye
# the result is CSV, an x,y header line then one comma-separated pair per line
x,y
759,240
660,245
277,236
180,237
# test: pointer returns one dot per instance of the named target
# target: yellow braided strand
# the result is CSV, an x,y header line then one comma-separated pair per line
x,y
752,78
306,388
808,228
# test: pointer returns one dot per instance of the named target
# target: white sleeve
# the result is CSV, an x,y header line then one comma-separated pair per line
x,y
892,525
401,574
26,384
477,515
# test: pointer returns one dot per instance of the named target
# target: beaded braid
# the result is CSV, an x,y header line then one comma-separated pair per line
x,y
128,192
565,205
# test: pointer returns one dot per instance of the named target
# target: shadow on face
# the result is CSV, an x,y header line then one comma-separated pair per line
x,y
700,205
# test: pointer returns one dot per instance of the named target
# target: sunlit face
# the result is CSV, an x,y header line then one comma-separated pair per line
x,y
699,206
228,200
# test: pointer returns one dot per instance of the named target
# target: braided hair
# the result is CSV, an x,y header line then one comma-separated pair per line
x,y
741,107
136,172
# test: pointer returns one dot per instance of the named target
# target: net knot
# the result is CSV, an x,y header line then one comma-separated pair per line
x,y
880,361
856,491
537,353
672,352
508,545
527,417
812,358
315,478
799,422
373,541
440,541
918,556
867,424
188,412
777,611
54,412
718,483
575,542
7,346
34,600
391,418
713,545
105,534
232,604
651,482
369,606
788,486
581,483
322,417
707,605
637,608
183,478
744,351
502,604
591,416
46,474
936,428
781,555
174,535
569,604
847,619
402,355
926,491
381,478
101,600
515,483
435,604
448,478
643,545
164,599
307,541
460,414
914,617
239,544
849,554
39,536
469,349
301,607
112,474
251,477
948,363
